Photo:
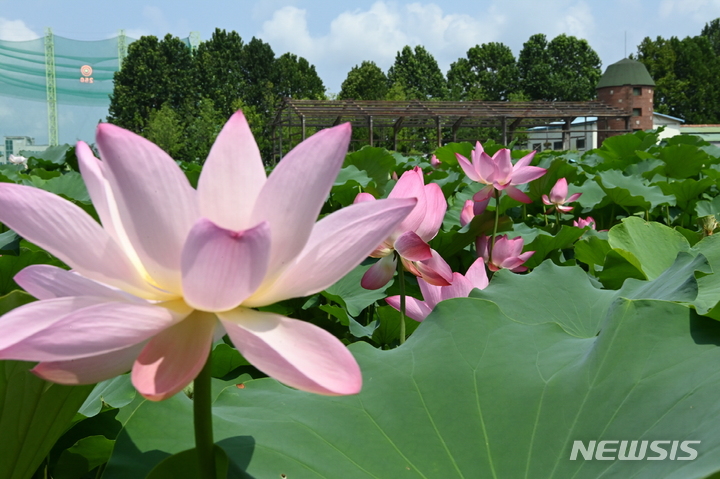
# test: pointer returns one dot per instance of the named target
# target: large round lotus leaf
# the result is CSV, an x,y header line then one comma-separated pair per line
x,y
474,393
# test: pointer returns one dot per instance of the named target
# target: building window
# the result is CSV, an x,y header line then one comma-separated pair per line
x,y
580,144
8,147
536,146
558,145
637,111
637,91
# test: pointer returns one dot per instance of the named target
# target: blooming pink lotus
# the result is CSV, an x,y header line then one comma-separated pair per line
x,y
409,239
558,197
467,213
172,267
506,253
476,277
499,173
582,223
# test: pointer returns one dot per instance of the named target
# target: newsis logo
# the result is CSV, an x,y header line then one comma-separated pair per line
x,y
634,450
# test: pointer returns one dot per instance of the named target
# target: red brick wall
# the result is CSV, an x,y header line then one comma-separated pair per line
x,y
623,97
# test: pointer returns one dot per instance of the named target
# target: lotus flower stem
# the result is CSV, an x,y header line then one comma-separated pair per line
x,y
497,220
557,220
202,412
401,283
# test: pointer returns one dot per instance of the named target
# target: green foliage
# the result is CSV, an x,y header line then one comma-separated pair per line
x,y
564,69
364,82
488,73
418,73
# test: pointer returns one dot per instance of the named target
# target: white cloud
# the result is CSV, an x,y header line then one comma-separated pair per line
x,y
377,34
698,10
16,31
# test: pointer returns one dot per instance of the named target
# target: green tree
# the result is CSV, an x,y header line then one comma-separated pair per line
x,y
219,70
419,74
712,32
154,73
489,72
564,69
294,77
201,131
364,82
685,73
258,64
167,131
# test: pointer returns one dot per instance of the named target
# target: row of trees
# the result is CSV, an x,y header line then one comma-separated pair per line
x,y
563,69
686,74
180,98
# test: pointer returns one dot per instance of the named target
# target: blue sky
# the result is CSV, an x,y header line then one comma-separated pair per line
x,y
335,36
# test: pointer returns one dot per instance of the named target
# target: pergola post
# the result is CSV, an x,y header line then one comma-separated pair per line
x,y
566,133
370,129
439,131
503,129
302,124
396,129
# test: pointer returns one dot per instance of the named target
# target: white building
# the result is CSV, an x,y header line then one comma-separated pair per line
x,y
14,145
583,133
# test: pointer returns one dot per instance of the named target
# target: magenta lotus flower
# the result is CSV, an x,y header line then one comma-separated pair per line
x,y
506,253
476,277
172,268
558,197
582,223
499,173
434,162
410,238
467,213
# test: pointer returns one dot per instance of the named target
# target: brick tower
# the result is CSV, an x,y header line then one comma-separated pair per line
x,y
626,85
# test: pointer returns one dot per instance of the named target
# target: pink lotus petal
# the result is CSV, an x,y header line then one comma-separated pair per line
x,y
559,191
363,197
480,206
338,243
503,167
565,209
525,160
89,331
435,208
460,287
526,174
477,275
546,200
380,273
232,176
411,185
432,294
29,319
485,166
434,162
573,197
468,168
173,358
467,213
481,246
221,268
411,247
484,195
518,195
155,201
44,281
60,227
414,308
296,190
89,370
294,352
435,270
506,248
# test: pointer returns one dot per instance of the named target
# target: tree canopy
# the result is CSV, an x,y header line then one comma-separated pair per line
x,y
489,72
364,82
418,73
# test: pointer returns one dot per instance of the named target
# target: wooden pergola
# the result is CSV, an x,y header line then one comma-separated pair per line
x,y
294,117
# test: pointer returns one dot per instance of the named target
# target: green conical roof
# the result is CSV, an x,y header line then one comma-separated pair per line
x,y
626,72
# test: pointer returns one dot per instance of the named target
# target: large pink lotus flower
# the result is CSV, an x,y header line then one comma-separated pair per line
x,y
499,173
582,223
476,277
558,197
171,268
506,253
410,238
